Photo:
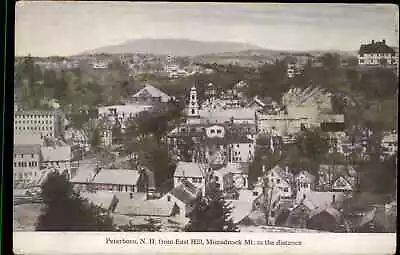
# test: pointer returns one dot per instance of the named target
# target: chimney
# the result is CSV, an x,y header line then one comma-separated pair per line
x,y
373,41
131,195
384,41
333,198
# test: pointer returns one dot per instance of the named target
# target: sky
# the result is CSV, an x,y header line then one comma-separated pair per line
x,y
56,28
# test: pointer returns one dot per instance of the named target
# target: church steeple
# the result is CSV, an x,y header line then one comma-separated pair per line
x,y
193,108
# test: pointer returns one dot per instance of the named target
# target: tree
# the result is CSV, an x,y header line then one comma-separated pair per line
x,y
212,214
262,157
65,210
330,61
379,177
313,145
95,140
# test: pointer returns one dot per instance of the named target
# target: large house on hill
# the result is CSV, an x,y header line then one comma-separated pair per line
x,y
377,54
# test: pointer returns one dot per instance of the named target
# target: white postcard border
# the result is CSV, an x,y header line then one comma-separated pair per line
x,y
262,243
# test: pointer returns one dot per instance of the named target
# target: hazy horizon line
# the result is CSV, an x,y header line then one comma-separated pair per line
x,y
256,47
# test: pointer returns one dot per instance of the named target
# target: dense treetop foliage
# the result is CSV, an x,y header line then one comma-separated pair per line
x,y
65,210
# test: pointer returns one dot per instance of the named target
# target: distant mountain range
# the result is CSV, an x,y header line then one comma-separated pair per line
x,y
175,47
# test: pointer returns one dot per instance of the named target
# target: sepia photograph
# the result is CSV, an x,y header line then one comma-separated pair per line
x,y
205,117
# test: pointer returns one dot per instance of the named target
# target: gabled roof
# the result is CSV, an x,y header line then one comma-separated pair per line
x,y
334,172
329,210
262,102
153,92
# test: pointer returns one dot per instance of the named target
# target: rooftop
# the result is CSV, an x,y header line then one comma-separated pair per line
x,y
61,153
117,176
240,210
156,207
235,168
125,109
27,138
152,91
84,173
102,199
26,149
375,47
188,169
36,112
186,194
228,114
318,201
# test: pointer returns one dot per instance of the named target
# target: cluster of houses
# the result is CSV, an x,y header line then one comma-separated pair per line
x,y
34,158
213,147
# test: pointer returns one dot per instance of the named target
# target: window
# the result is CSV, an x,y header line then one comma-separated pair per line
x,y
237,145
255,193
286,189
278,181
192,111
212,131
219,131
169,198
216,178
